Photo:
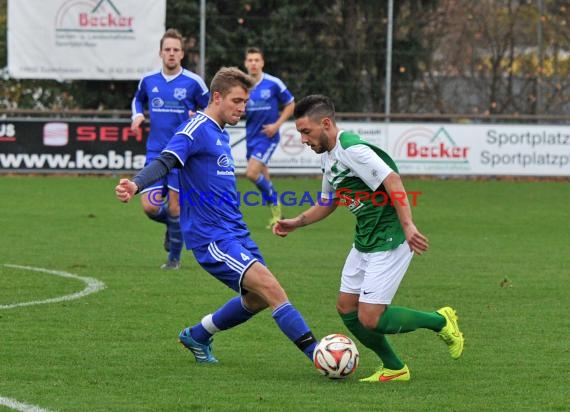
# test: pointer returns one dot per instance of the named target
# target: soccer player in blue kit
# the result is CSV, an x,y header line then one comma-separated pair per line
x,y
262,123
212,224
172,95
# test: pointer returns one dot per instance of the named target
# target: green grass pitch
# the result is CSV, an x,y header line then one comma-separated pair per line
x,y
500,254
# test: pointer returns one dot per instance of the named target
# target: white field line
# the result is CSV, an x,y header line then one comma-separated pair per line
x,y
19,406
93,286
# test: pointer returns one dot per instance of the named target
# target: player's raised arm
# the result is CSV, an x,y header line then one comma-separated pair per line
x,y
153,172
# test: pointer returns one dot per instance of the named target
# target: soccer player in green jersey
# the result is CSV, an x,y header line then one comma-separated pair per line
x,y
362,177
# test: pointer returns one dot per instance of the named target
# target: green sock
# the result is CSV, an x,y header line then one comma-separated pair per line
x,y
373,340
397,319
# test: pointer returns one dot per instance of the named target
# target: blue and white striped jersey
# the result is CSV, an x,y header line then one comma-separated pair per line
x,y
209,201
169,101
263,105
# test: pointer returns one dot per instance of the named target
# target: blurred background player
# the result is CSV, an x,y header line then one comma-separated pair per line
x,y
384,243
262,124
213,225
172,95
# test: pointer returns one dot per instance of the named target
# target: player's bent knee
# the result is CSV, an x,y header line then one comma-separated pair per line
x,y
254,302
344,309
368,320
150,210
367,324
252,175
274,294
173,209
347,303
259,280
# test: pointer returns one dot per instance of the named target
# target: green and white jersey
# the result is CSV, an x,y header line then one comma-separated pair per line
x,y
353,172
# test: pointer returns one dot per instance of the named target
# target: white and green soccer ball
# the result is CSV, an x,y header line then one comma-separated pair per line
x,y
336,356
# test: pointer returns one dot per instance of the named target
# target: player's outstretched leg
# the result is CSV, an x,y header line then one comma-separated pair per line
x,y
396,319
450,333
292,324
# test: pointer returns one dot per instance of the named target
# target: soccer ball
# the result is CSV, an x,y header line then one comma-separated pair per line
x,y
336,356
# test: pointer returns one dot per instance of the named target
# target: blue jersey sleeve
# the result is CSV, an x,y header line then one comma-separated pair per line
x,y
202,99
155,171
197,94
180,146
139,100
183,145
197,99
284,96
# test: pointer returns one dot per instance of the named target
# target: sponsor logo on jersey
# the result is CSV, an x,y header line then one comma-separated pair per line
x,y
224,161
157,102
224,173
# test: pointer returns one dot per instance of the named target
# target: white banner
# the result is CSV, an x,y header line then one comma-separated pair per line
x,y
490,149
435,149
291,156
84,39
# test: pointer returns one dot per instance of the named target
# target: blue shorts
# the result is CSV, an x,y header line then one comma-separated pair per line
x,y
170,181
227,260
261,148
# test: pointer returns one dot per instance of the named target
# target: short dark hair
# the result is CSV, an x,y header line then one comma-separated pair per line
x,y
171,34
315,106
229,77
252,50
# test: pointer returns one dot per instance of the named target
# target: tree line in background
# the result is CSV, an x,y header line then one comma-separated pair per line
x,y
449,56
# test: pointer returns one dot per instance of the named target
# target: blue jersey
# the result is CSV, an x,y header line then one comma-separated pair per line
x,y
168,103
263,105
209,202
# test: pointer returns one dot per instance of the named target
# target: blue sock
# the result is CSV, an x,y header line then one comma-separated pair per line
x,y
231,314
159,216
266,188
174,237
291,322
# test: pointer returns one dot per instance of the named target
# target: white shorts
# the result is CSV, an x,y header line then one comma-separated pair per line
x,y
375,276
